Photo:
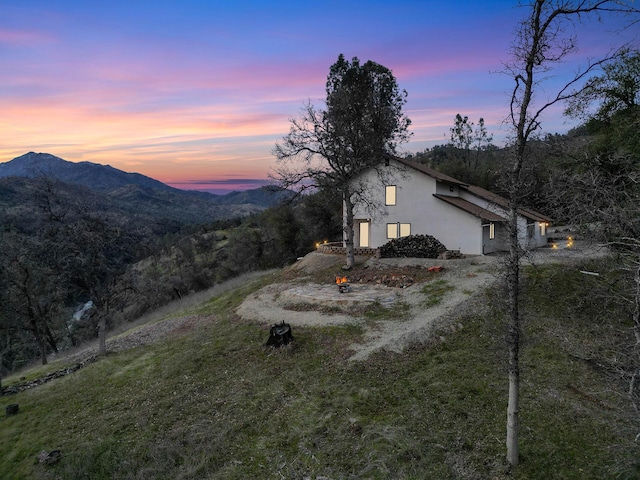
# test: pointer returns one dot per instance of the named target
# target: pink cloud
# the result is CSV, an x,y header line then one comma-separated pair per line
x,y
24,37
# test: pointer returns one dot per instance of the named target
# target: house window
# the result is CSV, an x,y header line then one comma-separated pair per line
x,y
397,230
390,195
364,234
451,188
492,231
543,229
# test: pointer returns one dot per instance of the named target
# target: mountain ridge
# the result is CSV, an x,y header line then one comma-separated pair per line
x,y
130,192
110,180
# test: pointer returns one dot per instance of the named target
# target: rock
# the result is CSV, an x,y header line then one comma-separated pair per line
x,y
49,458
12,409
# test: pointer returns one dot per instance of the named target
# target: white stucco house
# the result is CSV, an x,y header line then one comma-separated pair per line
x,y
417,200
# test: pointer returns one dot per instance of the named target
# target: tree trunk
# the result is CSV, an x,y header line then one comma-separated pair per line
x,y
102,336
50,338
43,350
40,340
513,338
348,229
636,330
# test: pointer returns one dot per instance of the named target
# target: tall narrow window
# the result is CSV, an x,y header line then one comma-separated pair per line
x,y
492,231
390,195
543,229
405,229
392,230
364,234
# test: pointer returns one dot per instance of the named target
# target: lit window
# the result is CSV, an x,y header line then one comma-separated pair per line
x,y
543,229
364,234
492,231
405,229
392,230
390,195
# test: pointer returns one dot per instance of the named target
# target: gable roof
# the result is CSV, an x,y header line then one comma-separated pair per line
x,y
475,190
471,208
429,171
503,202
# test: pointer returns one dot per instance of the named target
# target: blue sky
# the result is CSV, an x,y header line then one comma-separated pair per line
x,y
196,93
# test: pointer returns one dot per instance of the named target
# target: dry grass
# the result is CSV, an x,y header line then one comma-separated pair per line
x,y
215,403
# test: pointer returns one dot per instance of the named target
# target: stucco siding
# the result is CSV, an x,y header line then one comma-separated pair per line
x,y
416,205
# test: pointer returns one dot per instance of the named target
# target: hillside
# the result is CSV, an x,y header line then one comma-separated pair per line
x,y
206,399
137,194
91,175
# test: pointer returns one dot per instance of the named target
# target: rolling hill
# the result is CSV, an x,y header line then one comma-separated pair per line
x,y
131,192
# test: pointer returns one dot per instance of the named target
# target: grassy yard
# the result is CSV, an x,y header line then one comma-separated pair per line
x,y
216,404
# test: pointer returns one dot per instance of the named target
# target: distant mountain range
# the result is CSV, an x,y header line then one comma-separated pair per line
x,y
137,193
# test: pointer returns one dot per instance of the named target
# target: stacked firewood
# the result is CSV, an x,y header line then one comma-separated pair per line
x,y
413,246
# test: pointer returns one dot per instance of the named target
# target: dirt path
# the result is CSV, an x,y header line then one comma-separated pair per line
x,y
311,304
308,304
466,283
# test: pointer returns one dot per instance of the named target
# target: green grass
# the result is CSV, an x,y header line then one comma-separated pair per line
x,y
217,404
435,292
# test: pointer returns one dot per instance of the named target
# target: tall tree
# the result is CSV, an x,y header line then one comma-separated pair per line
x,y
361,125
616,90
542,41
462,136
465,134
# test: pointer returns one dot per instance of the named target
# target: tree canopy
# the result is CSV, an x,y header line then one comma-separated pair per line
x,y
360,127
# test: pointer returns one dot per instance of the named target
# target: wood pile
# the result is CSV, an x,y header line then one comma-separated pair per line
x,y
413,246
449,254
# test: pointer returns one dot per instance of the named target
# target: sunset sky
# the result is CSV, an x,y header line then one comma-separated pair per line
x,y
196,93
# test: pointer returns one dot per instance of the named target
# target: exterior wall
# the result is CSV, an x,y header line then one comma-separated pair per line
x,y
499,243
416,205
529,232
535,238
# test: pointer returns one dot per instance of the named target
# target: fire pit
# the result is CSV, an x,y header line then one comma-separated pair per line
x,y
343,284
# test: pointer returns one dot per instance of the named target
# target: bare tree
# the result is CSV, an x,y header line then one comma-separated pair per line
x,y
542,40
601,195
361,126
